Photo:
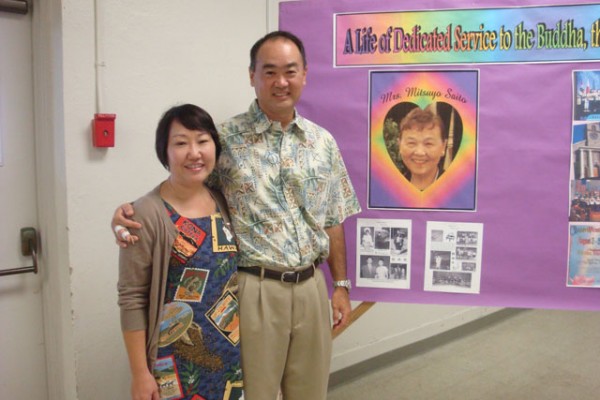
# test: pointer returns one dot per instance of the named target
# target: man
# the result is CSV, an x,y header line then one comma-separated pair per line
x,y
368,270
289,193
422,144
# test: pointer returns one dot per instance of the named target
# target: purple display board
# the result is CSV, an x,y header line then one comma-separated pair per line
x,y
524,126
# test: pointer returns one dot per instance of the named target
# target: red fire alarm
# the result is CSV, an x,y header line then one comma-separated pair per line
x,y
103,130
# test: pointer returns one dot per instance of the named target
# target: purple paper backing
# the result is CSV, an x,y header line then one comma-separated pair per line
x,y
525,120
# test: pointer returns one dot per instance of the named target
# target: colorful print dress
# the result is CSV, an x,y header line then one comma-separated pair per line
x,y
199,353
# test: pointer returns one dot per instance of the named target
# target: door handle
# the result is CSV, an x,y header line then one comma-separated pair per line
x,y
29,245
14,6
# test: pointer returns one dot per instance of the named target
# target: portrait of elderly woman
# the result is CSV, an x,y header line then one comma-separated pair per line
x,y
422,145
422,142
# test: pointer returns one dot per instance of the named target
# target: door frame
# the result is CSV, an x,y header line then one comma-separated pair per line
x,y
54,262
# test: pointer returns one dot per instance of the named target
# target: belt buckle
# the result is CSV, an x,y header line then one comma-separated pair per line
x,y
283,275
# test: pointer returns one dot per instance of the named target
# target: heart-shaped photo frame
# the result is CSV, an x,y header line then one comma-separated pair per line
x,y
422,142
437,111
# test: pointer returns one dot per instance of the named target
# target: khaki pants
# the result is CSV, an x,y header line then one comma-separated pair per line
x,y
285,333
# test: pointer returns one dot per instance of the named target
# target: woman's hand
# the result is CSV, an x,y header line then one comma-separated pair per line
x,y
144,387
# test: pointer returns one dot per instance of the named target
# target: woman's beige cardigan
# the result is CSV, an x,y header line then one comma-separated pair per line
x,y
143,268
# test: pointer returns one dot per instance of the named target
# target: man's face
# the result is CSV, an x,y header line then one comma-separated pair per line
x,y
278,79
421,150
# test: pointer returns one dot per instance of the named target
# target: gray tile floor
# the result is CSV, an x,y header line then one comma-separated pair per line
x,y
511,354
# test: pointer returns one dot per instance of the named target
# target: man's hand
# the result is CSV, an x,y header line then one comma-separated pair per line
x,y
340,299
341,308
120,224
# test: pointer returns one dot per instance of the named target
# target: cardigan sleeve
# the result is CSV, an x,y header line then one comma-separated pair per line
x,y
135,269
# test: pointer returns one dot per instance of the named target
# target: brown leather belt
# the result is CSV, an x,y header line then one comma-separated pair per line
x,y
285,276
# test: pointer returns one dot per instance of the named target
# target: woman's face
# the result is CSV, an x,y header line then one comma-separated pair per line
x,y
191,154
421,150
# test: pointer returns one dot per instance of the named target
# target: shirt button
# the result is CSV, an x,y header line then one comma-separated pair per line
x,y
272,158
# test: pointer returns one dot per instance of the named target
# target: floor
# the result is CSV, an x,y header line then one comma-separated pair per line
x,y
512,354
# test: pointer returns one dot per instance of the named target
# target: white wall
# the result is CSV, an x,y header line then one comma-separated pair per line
x,y
153,54
390,326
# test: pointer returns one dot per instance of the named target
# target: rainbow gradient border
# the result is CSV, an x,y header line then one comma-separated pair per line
x,y
456,188
493,20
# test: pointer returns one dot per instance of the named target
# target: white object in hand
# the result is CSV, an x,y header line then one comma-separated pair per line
x,y
122,232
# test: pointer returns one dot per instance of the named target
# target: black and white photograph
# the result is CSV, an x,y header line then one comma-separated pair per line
x,y
367,267
466,238
399,240
469,266
382,238
375,267
440,260
398,271
466,253
437,235
456,279
366,239
382,270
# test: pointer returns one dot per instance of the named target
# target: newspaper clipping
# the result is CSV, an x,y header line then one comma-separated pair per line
x,y
383,253
453,257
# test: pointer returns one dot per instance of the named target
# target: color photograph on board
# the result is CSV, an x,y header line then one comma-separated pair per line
x,y
583,268
584,255
587,95
423,140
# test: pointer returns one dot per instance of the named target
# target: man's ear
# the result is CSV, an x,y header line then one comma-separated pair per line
x,y
305,73
251,74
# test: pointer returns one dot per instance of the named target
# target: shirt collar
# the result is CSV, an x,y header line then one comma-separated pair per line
x,y
262,123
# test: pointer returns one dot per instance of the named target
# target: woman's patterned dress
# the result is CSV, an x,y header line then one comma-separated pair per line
x,y
199,353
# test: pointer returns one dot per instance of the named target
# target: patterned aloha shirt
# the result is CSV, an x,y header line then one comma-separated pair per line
x,y
283,188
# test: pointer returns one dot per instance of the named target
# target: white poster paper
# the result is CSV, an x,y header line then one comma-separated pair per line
x,y
383,253
453,257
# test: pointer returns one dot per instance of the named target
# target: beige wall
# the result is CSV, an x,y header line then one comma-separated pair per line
x,y
151,55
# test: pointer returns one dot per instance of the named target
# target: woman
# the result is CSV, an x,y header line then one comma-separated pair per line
x,y
367,239
398,243
179,313
381,272
422,144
